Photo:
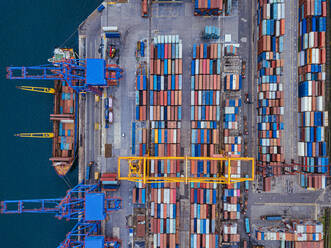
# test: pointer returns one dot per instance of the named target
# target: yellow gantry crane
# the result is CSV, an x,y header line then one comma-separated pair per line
x,y
35,135
137,170
37,89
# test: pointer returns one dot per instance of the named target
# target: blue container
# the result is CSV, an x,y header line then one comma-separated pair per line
x,y
165,66
195,49
142,49
143,196
112,35
193,69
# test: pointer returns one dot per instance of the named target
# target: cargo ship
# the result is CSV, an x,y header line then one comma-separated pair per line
x,y
64,118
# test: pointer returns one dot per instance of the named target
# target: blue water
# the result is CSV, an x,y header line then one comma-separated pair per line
x,y
30,29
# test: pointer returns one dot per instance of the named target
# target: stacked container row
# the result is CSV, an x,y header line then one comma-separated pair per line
x,y
271,30
232,141
165,113
312,117
208,7
303,231
205,117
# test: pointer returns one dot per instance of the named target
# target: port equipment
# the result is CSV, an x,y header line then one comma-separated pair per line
x,y
138,170
37,89
83,203
82,75
35,135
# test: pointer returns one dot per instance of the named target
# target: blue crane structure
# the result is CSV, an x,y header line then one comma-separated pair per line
x,y
80,74
83,203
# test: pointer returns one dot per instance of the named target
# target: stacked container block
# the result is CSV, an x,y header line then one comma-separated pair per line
x,y
205,117
231,50
141,97
165,114
312,117
271,30
300,231
232,82
313,181
231,235
208,7
232,141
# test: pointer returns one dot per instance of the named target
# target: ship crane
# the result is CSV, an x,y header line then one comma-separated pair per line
x,y
83,203
35,135
80,74
37,89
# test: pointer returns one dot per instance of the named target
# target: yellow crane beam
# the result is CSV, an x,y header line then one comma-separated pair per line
x,y
37,89
138,170
35,135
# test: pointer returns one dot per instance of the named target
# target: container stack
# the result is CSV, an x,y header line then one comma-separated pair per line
x,y
142,140
165,113
313,244
312,118
231,205
208,7
205,99
139,194
163,213
232,82
211,32
313,181
231,235
232,141
271,29
300,231
267,184
231,209
141,97
203,214
205,117
231,50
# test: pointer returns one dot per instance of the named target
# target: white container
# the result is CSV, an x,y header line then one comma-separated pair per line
x,y
198,226
110,29
162,113
180,51
151,117
162,82
196,67
301,149
268,11
199,97
319,103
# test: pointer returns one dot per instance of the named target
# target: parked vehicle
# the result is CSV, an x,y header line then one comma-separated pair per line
x,y
247,227
272,217
243,69
247,99
245,125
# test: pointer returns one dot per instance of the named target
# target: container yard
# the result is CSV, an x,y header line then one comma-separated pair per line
x,y
203,124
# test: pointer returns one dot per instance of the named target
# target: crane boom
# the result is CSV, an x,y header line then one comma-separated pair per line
x,y
35,135
37,89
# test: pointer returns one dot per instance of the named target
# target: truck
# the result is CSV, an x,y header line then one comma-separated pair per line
x,y
144,8
88,170
243,69
247,228
247,99
272,217
246,184
245,125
